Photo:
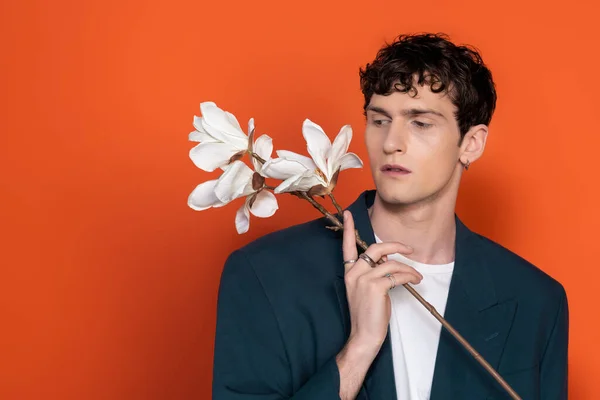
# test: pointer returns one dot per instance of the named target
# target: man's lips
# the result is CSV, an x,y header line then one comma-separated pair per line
x,y
395,168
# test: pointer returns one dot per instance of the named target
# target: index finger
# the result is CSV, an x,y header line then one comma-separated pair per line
x,y
349,239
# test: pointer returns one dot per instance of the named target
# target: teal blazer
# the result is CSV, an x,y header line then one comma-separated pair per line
x,y
282,317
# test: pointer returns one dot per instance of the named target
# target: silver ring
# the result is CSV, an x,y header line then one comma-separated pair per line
x,y
351,261
391,278
368,259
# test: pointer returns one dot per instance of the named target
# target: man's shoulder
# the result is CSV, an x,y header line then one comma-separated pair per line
x,y
304,248
302,236
512,269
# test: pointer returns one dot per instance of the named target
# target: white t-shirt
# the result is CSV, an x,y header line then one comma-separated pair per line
x,y
415,333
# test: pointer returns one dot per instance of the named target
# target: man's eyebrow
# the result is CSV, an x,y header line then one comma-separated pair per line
x,y
421,111
408,112
378,110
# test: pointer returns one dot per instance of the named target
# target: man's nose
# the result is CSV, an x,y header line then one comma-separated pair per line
x,y
396,139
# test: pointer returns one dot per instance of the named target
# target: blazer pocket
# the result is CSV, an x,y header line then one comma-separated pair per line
x,y
515,371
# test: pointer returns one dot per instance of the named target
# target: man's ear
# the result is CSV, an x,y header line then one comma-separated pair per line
x,y
473,144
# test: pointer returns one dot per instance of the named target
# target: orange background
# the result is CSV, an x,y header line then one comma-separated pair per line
x,y
108,280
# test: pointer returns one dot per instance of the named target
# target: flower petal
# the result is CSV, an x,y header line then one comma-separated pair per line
x,y
235,182
210,156
338,149
250,125
203,196
350,160
233,120
264,205
307,181
198,124
198,136
317,142
287,185
280,168
242,218
222,126
264,148
290,155
301,183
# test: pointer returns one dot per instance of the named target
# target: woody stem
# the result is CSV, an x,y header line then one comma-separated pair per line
x,y
322,209
336,204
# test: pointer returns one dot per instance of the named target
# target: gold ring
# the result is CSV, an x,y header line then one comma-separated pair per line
x,y
368,259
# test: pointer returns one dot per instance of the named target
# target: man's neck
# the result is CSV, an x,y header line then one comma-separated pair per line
x,y
430,229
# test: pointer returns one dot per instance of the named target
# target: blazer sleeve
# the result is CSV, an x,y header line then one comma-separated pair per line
x,y
250,360
553,370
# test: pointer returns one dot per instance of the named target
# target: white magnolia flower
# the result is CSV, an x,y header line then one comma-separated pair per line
x,y
239,180
318,175
221,138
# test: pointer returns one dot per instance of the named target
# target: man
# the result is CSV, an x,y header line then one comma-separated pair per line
x,y
301,316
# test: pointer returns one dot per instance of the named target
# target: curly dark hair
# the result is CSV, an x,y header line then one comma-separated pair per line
x,y
433,60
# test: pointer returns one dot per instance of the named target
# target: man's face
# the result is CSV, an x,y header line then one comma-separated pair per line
x,y
418,134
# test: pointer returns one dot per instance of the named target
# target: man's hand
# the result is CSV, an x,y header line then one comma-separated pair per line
x,y
369,304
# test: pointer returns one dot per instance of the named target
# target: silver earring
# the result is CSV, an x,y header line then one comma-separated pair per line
x,y
467,165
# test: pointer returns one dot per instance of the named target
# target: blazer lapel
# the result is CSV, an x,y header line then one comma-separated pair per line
x,y
474,311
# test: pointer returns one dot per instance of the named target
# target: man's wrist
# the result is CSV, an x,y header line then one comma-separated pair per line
x,y
359,352
353,362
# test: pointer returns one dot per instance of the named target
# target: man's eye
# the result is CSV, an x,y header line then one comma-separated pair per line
x,y
421,125
380,122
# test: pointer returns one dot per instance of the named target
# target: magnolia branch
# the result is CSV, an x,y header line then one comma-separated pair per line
x,y
324,185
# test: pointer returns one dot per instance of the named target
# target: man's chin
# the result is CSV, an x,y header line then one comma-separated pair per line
x,y
395,197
